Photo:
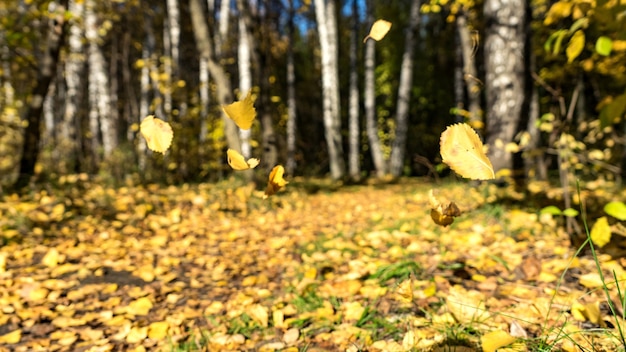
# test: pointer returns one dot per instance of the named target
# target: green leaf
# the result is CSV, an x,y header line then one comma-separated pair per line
x,y
616,210
612,112
604,46
580,23
569,212
559,35
551,209
575,46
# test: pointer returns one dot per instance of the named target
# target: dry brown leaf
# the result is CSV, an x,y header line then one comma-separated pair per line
x,y
275,182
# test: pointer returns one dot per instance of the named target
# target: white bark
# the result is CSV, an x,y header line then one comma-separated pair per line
x,y
326,22
469,69
504,81
369,97
404,93
354,132
291,97
245,76
173,17
99,96
204,99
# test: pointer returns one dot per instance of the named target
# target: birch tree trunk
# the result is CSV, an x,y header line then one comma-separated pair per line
x,y
354,132
469,71
369,97
98,87
504,81
144,81
47,66
245,72
398,150
205,49
291,96
327,28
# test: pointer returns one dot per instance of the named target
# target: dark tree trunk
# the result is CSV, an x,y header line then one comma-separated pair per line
x,y
47,68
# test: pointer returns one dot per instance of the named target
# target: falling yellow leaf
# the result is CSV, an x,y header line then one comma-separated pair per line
x,y
11,338
493,340
238,162
442,215
601,232
379,30
462,150
242,112
276,181
158,134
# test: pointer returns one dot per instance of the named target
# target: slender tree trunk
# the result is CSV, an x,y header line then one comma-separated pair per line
x,y
168,71
354,131
205,49
74,73
99,90
144,100
504,81
245,72
459,84
398,150
469,71
47,66
369,97
173,22
326,21
269,144
291,96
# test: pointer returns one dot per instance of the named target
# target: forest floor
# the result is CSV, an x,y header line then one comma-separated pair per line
x,y
313,268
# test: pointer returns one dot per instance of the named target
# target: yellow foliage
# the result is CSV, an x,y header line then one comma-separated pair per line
x,y
462,150
601,232
276,181
379,30
242,112
158,133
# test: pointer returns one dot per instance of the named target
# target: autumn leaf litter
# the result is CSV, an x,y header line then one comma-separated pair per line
x,y
134,268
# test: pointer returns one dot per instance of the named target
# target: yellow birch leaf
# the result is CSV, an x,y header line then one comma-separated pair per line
x,y
158,134
238,162
158,330
276,181
405,291
379,30
242,112
462,150
11,338
140,306
137,334
259,313
51,259
353,311
575,46
601,232
493,340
